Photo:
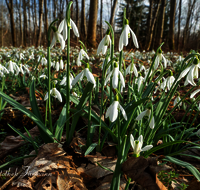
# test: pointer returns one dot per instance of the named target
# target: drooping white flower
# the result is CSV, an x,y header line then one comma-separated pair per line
x,y
10,67
57,66
43,76
123,41
63,27
44,61
64,80
137,145
113,109
147,113
131,68
105,42
177,99
81,56
116,76
170,80
61,64
86,72
139,82
194,93
55,93
159,57
191,72
57,37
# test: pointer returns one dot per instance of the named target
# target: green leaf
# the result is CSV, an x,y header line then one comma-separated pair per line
x,y
187,165
33,101
90,148
108,169
46,135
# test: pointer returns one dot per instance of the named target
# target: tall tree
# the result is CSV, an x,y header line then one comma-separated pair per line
x,y
113,13
101,18
25,22
92,25
172,24
41,3
160,26
189,13
83,22
179,23
46,17
151,23
9,4
77,16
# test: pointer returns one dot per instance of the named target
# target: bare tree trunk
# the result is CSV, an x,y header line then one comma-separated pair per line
x,y
172,23
101,18
179,24
29,15
35,24
77,17
83,22
190,8
161,20
113,13
92,26
41,3
25,23
21,28
152,26
46,18
9,4
2,24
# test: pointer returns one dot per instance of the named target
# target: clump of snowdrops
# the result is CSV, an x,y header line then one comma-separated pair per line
x,y
137,97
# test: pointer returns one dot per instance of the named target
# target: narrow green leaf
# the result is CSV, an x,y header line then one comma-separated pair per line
x,y
90,148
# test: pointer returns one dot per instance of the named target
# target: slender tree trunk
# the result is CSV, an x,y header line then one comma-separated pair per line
x,y
77,17
2,24
40,21
92,26
172,23
190,9
29,15
46,18
35,24
152,26
9,4
113,13
21,28
83,22
25,23
179,24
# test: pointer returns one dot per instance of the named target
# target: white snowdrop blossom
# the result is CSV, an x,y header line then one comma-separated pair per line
x,y
105,42
170,80
123,41
61,64
86,72
116,76
159,57
132,68
137,145
57,37
147,113
194,93
113,109
57,66
191,72
44,61
177,99
139,82
55,93
43,76
10,67
63,27
64,81
82,54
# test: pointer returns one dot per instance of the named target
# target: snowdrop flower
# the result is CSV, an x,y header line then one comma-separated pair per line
x,y
159,57
44,61
61,64
21,56
137,145
139,81
113,109
147,113
26,68
55,93
194,93
10,67
57,66
103,45
57,37
142,68
123,41
43,76
20,68
81,55
116,76
64,80
31,56
63,27
3,69
86,72
170,80
131,68
192,72
177,99
198,132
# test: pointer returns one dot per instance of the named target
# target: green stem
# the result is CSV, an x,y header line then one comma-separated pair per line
x,y
89,136
2,87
